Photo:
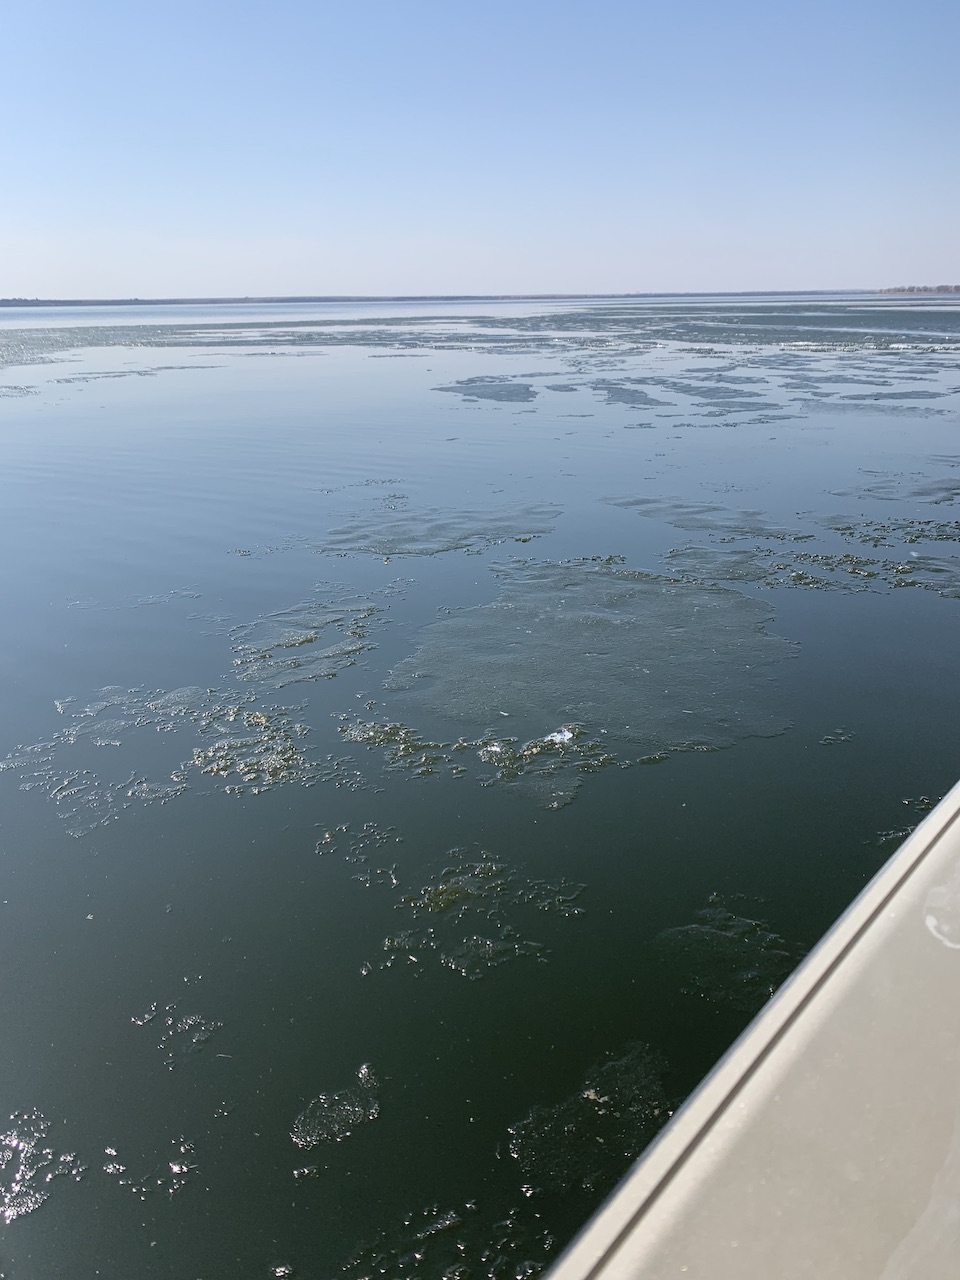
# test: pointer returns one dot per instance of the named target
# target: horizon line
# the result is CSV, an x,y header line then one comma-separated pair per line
x,y
436,297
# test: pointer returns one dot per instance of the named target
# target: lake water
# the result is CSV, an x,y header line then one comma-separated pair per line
x,y
430,732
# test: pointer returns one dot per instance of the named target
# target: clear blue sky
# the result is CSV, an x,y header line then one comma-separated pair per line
x,y
481,146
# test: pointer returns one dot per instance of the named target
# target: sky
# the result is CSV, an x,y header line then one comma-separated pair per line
x,y
383,147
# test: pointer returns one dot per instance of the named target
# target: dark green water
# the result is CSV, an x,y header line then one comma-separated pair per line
x,y
429,734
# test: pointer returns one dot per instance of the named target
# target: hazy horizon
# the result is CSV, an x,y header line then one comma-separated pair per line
x,y
901,290
134,300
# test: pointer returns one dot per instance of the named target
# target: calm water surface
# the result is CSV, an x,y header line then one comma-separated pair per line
x,y
429,734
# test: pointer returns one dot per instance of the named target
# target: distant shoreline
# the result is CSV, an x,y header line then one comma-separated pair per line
x,y
472,297
924,288
444,297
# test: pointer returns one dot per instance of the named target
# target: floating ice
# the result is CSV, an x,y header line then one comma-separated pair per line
x,y
369,840
169,1175
622,392
588,1141
479,1242
472,956
706,515
550,768
665,664
492,387
245,746
837,735
720,564
27,1166
894,395
136,602
260,748
468,915
919,806
487,885
182,1034
727,959
430,531
403,748
287,647
888,533
850,343
331,1117
818,570
895,488
245,742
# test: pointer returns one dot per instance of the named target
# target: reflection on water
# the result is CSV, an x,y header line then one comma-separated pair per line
x,y
266,803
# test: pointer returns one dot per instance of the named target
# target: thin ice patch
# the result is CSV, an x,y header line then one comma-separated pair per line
x,y
492,387
640,657
468,1242
331,1117
622,392
894,488
918,807
469,914
709,516
587,1141
311,641
719,564
727,959
431,531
